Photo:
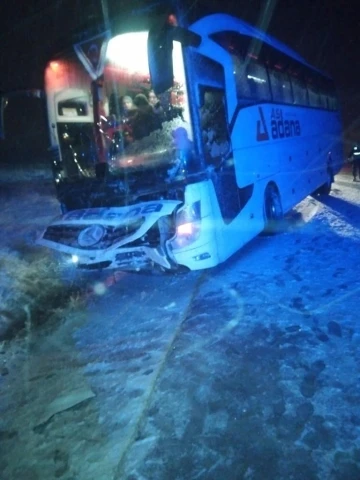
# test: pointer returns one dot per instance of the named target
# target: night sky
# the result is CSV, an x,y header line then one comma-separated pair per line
x,y
325,33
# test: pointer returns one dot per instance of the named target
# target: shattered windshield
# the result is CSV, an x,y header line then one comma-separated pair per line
x,y
139,129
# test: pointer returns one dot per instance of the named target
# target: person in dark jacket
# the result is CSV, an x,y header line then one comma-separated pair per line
x,y
145,121
355,160
156,106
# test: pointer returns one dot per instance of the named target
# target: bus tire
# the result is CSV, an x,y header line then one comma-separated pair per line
x,y
325,188
273,211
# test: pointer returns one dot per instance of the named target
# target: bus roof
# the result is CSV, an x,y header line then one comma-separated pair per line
x,y
221,22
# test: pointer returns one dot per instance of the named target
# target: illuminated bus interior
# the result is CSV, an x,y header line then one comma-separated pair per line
x,y
135,130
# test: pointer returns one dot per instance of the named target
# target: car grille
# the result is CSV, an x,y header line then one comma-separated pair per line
x,y
68,234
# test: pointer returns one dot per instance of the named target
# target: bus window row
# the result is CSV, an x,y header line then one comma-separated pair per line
x,y
265,73
257,82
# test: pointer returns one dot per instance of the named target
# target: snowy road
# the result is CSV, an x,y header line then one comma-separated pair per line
x,y
248,371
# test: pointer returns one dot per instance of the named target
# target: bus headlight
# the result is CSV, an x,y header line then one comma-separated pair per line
x,y
188,226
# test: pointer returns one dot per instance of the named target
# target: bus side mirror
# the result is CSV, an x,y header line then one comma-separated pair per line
x,y
160,46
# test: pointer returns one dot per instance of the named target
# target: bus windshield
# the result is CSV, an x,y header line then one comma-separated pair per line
x,y
136,131
139,128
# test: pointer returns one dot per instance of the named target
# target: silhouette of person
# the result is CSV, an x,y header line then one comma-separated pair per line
x,y
355,159
156,106
144,121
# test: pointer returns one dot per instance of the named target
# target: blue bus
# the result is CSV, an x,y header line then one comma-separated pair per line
x,y
176,142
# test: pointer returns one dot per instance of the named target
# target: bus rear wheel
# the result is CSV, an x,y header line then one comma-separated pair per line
x,y
273,211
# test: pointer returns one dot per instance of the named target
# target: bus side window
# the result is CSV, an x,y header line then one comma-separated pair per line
x,y
210,78
333,104
280,87
314,98
217,150
299,91
251,79
257,80
241,81
323,101
214,125
207,70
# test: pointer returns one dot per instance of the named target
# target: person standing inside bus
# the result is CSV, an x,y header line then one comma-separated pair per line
x,y
355,158
145,121
128,112
156,105
128,109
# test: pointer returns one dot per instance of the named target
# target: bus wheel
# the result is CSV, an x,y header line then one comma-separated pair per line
x,y
273,211
325,189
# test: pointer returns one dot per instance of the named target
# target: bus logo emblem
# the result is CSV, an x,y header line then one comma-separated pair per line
x,y
280,127
261,128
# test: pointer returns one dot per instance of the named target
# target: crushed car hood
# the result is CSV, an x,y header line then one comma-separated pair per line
x,y
90,230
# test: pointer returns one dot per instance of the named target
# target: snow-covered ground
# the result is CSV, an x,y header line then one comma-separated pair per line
x,y
247,371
